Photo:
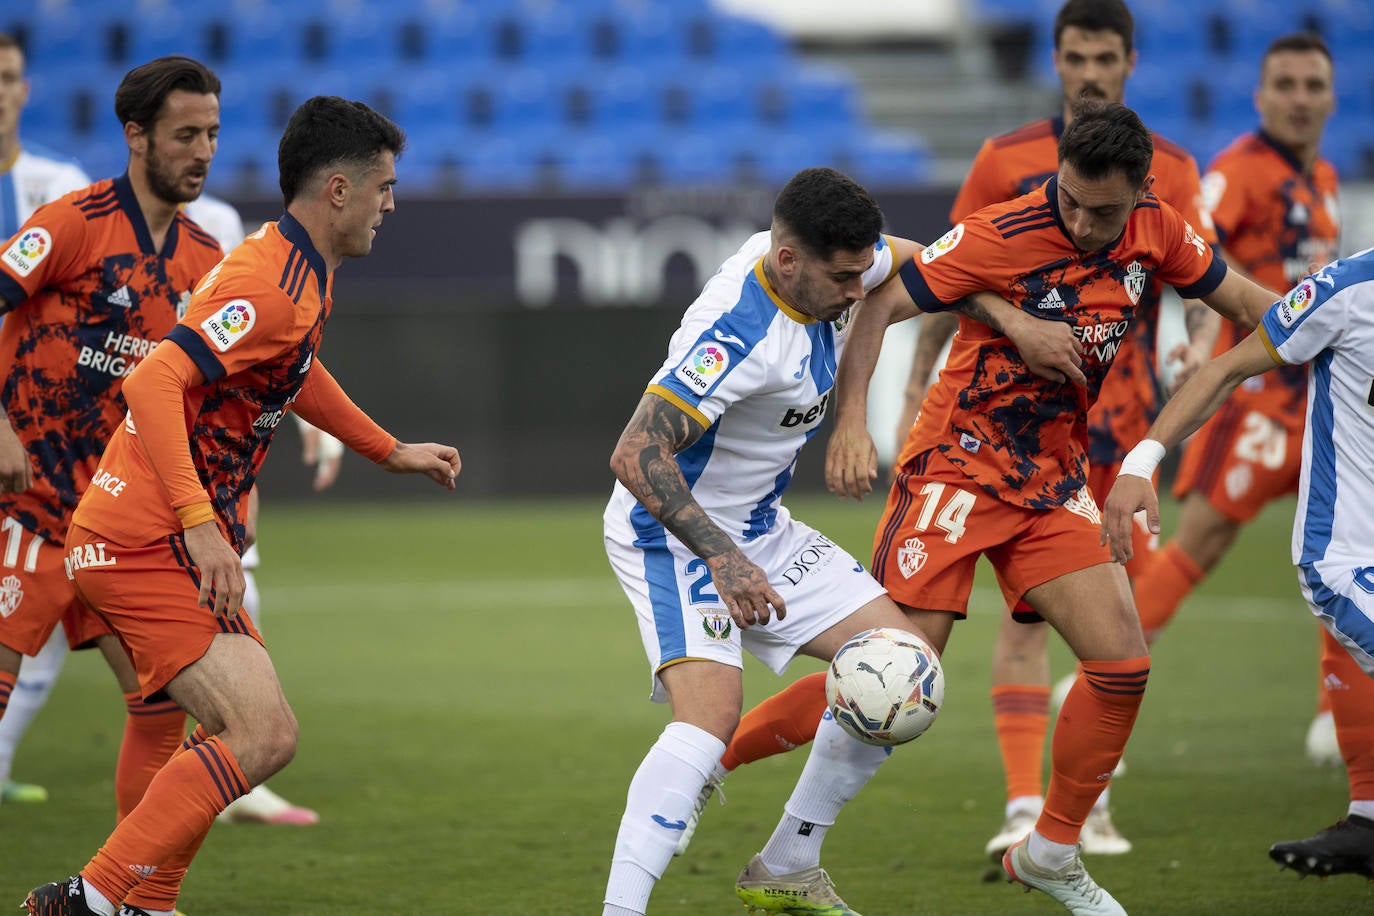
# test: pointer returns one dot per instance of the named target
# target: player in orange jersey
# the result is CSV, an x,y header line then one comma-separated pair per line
x,y
1094,56
1273,199
157,539
91,282
997,463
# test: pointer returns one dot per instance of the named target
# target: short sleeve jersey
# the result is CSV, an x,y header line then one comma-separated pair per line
x,y
253,329
1327,322
1279,222
88,298
757,374
35,177
1019,437
1015,163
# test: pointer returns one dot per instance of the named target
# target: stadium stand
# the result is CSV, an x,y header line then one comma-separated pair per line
x,y
585,95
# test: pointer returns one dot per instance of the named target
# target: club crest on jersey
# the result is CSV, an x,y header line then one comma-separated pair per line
x,y
227,326
911,557
1291,306
28,250
943,245
1134,281
11,593
716,625
183,303
703,367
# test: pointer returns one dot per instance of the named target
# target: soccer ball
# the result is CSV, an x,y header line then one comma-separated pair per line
x,y
885,686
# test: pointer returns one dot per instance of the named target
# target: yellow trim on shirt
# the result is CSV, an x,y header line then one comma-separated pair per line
x,y
799,317
896,265
672,397
1268,345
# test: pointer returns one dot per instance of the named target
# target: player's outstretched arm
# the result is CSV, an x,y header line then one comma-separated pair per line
x,y
1197,400
1048,347
643,462
440,463
1240,299
851,459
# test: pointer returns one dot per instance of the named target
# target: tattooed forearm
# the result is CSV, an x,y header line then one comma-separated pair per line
x,y
643,462
1195,316
978,312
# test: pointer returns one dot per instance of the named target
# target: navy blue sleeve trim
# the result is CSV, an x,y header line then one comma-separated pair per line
x,y
12,292
196,348
920,291
1209,281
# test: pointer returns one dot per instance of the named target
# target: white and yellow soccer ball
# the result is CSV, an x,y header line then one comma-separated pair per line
x,y
885,686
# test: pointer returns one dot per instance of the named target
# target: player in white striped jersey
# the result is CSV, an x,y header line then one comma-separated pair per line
x,y
1326,321
709,557
30,176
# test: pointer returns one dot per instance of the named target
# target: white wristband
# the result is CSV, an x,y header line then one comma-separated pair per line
x,y
1142,460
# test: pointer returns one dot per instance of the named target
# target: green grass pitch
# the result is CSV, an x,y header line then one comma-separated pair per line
x,y
472,699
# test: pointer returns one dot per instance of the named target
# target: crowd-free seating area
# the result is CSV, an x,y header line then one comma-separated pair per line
x,y
496,95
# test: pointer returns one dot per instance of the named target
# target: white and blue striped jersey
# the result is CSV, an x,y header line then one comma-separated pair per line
x,y
1327,320
757,374
36,177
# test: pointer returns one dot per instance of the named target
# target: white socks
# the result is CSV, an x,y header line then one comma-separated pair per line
x,y
837,768
661,798
36,678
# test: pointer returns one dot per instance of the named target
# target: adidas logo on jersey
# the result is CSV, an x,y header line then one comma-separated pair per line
x,y
1053,302
1333,682
121,297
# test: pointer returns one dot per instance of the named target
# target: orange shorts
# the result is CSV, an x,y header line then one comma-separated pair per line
x,y
148,597
1145,543
1241,460
938,523
34,589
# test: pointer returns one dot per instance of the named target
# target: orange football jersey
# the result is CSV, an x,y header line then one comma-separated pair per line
x,y
1017,162
1022,438
1279,223
253,328
88,298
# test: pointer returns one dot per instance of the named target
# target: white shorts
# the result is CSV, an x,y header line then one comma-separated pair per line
x,y
1341,595
681,616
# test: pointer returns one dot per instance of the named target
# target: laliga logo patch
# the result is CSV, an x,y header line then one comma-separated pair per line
x,y
703,367
945,244
29,250
1296,302
229,324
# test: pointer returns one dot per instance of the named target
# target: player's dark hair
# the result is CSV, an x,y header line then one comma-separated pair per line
x,y
327,132
828,211
1107,137
9,41
1096,16
141,93
1297,41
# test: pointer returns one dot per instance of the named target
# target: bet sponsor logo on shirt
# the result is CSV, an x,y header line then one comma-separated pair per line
x,y
28,250
227,326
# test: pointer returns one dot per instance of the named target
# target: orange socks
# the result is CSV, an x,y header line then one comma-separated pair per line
x,y
1162,588
1352,705
1021,714
160,890
152,734
177,811
1096,720
1328,643
7,680
784,721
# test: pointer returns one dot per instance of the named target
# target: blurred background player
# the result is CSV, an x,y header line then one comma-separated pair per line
x,y
262,805
1094,54
1273,200
93,280
30,176
1327,323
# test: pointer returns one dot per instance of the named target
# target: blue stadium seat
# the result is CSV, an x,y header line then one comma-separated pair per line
x,y
498,163
813,98
610,99
174,30
889,159
415,96
595,162
714,97
261,37
734,40
246,160
694,160
772,157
